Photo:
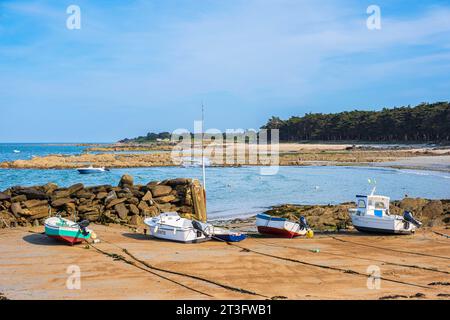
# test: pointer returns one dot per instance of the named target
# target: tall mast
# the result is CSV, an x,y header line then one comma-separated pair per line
x,y
203,157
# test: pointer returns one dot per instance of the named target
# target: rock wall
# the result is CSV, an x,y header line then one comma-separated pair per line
x,y
336,217
126,203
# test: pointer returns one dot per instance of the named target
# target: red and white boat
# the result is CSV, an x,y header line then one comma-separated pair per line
x,y
282,227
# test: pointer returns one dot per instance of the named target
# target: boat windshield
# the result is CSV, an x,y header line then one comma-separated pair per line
x,y
361,204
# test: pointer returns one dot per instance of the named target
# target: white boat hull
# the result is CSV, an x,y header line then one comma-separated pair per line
x,y
170,226
278,226
392,224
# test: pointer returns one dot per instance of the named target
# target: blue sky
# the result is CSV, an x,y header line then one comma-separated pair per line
x,y
139,66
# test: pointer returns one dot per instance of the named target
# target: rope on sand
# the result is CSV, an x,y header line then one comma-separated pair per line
x,y
442,234
390,249
121,258
361,258
225,286
349,271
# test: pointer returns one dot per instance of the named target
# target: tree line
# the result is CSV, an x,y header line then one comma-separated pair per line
x,y
423,123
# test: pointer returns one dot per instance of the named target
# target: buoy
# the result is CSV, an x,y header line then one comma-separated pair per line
x,y
309,233
93,235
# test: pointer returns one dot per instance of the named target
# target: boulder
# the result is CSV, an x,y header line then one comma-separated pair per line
x,y
177,182
114,202
75,188
84,194
49,188
16,209
134,209
62,193
413,204
91,216
102,195
62,201
433,209
38,212
126,181
88,208
19,198
33,194
121,210
136,220
151,184
133,200
35,203
147,196
160,190
166,207
165,199
143,206
111,196
70,207
4,196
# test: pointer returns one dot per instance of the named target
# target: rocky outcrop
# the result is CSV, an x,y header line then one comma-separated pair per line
x,y
126,203
336,217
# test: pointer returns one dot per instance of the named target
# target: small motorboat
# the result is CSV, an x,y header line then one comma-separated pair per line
x,y
188,162
372,215
170,226
282,227
227,235
16,151
68,231
91,169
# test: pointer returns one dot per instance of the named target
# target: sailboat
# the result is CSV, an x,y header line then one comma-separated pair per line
x,y
171,226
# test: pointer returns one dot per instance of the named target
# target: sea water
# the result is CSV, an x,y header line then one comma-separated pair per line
x,y
243,191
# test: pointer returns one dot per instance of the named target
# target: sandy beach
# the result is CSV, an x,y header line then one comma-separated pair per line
x,y
289,154
411,267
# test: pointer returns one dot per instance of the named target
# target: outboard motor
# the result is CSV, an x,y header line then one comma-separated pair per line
x,y
409,217
198,226
303,223
83,225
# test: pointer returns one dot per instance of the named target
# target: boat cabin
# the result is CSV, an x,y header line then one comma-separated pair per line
x,y
372,205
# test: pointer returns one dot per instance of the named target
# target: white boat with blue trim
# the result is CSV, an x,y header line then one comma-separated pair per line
x,y
170,226
91,170
372,215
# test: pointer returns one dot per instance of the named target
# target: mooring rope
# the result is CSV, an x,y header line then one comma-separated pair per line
x,y
121,258
225,286
361,258
349,271
390,249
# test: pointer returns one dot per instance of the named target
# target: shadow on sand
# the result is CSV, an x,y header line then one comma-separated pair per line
x,y
138,236
42,240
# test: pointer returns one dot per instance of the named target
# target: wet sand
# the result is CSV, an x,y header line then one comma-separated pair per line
x,y
33,266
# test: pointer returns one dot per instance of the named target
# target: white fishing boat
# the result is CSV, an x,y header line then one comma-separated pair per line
x,y
170,226
91,169
372,215
188,162
16,151
282,227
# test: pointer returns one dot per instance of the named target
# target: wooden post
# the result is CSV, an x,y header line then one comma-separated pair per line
x,y
199,201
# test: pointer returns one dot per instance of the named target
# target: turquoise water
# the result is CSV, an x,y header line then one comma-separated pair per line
x,y
243,191
28,150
